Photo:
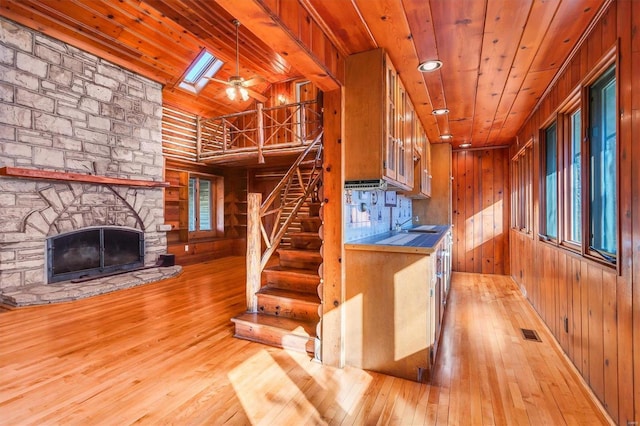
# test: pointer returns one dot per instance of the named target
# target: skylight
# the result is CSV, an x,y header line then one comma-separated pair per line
x,y
204,67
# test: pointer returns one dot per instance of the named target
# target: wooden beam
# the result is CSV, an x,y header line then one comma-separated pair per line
x,y
268,25
254,250
260,119
19,172
332,250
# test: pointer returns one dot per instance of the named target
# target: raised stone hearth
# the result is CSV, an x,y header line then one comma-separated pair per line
x,y
66,291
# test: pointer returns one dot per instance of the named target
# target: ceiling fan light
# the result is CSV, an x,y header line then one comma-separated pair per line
x,y
231,93
244,94
430,66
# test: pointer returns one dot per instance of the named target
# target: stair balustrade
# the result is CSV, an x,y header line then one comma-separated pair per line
x,y
291,193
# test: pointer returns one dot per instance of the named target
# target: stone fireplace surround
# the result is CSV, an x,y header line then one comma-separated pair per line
x,y
64,110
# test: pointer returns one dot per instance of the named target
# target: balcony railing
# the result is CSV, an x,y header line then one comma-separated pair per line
x,y
277,128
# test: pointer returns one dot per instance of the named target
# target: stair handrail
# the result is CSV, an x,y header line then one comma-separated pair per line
x,y
256,262
284,186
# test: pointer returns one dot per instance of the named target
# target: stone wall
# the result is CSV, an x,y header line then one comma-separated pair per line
x,y
66,110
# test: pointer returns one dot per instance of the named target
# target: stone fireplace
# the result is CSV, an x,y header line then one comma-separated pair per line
x,y
65,110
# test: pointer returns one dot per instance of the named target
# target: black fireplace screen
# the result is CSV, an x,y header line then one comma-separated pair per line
x,y
94,251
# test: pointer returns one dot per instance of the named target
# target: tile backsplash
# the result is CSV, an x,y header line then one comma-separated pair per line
x,y
369,213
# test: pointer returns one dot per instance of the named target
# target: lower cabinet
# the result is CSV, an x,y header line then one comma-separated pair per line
x,y
393,310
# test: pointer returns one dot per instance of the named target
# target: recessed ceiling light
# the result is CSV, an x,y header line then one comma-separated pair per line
x,y
465,145
430,66
440,111
446,136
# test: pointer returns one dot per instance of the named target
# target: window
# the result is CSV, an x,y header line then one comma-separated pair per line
x,y
521,184
573,178
197,76
202,205
550,189
602,167
579,187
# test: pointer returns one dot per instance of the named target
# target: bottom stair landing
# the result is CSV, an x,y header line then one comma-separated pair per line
x,y
287,333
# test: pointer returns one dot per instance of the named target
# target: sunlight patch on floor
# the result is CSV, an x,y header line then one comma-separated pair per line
x,y
260,384
282,384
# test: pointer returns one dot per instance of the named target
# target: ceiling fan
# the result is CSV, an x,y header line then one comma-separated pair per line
x,y
238,87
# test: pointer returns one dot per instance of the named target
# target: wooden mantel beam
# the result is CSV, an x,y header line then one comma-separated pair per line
x,y
292,33
19,172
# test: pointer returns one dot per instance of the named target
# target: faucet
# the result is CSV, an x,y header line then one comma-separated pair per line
x,y
399,225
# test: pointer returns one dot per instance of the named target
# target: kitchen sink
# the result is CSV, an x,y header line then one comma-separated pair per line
x,y
425,229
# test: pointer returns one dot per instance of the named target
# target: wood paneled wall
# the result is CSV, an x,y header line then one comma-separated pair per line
x,y
481,211
188,250
600,304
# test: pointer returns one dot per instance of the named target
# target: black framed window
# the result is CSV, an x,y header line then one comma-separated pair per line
x,y
578,171
602,212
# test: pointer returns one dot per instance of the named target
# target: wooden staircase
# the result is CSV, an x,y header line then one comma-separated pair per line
x,y
288,300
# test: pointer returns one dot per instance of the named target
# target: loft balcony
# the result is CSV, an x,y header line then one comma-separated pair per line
x,y
263,135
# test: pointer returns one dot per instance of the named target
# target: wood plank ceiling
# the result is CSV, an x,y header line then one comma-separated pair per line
x,y
499,55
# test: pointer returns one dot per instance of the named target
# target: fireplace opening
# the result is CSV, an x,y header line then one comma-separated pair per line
x,y
94,251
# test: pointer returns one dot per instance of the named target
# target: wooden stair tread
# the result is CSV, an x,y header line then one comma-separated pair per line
x,y
289,294
306,253
297,327
284,270
305,234
300,257
306,240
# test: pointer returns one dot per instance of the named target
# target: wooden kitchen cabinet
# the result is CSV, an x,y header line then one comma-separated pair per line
x,y
404,123
438,209
425,171
378,142
393,309
421,162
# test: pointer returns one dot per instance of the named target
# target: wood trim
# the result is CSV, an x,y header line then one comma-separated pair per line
x,y
20,172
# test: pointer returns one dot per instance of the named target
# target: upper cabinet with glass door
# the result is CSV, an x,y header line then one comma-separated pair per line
x,y
378,140
421,161
404,149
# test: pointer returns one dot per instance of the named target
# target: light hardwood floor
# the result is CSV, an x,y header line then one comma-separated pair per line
x,y
163,353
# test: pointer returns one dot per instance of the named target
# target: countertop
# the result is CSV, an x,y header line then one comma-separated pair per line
x,y
421,239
